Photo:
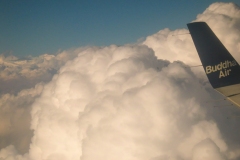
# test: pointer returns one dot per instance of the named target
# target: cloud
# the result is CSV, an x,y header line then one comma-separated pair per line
x,y
223,18
125,102
207,149
22,81
118,102
15,118
26,73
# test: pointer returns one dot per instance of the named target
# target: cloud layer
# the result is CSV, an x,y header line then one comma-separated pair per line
x,y
131,102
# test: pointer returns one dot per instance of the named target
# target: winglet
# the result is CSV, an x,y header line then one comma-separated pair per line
x,y
221,68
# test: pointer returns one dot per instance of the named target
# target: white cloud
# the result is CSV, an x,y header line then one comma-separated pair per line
x,y
208,150
112,117
26,73
223,18
125,102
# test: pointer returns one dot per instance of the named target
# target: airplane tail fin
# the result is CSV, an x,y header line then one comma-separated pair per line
x,y
221,68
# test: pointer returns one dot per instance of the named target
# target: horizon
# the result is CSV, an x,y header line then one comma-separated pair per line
x,y
35,28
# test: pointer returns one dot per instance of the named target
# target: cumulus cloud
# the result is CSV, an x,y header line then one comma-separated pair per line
x,y
127,102
208,150
119,103
22,81
223,19
26,73
15,118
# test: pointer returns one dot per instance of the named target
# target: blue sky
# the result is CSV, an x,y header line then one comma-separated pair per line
x,y
47,26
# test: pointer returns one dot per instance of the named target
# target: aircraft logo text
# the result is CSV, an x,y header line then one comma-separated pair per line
x,y
223,67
